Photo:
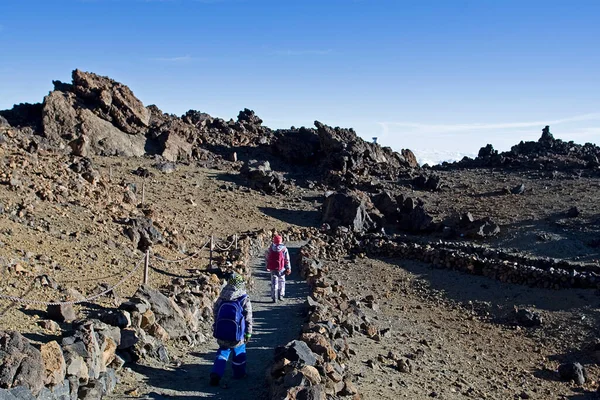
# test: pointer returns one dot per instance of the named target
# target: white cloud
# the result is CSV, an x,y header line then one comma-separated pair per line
x,y
177,59
302,52
445,128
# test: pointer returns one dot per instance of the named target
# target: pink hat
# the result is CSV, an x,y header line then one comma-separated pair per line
x,y
277,239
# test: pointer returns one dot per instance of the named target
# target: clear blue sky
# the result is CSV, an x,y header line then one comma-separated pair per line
x,y
441,77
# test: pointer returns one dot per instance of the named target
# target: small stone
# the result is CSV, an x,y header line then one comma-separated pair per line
x,y
62,313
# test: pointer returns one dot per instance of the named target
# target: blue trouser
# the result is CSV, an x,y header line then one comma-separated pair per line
x,y
238,363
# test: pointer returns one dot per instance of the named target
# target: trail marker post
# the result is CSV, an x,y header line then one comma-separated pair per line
x,y
212,246
143,192
146,266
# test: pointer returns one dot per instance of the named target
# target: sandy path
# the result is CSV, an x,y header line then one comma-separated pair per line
x,y
274,324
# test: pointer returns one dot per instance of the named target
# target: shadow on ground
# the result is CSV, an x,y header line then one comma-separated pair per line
x,y
308,219
274,324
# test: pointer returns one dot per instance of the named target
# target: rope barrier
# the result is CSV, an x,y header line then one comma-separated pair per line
x,y
62,303
181,259
226,248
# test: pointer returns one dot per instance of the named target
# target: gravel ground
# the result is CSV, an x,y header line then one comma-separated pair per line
x,y
275,324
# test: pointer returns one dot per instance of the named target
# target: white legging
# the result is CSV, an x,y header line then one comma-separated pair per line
x,y
277,283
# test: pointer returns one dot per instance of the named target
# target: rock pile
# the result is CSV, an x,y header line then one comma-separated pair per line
x,y
480,260
313,366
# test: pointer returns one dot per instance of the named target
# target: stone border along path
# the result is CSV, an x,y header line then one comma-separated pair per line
x,y
274,325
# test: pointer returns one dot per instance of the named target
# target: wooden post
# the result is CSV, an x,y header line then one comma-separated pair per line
x,y
212,244
110,173
146,266
143,191
235,238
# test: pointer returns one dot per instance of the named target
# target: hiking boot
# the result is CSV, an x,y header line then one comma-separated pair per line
x,y
274,299
281,298
214,379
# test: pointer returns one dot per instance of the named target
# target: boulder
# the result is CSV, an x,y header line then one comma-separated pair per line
x,y
143,233
21,364
54,363
315,392
61,313
572,372
296,351
260,176
297,146
168,314
64,117
352,210
527,318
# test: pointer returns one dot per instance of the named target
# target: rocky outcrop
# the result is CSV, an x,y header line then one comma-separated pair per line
x,y
171,137
260,176
64,117
403,213
111,101
351,209
350,157
297,146
547,153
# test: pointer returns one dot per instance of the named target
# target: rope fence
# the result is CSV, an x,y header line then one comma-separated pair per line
x,y
213,246
17,299
145,260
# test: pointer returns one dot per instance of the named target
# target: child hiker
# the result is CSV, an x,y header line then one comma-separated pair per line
x,y
278,264
232,328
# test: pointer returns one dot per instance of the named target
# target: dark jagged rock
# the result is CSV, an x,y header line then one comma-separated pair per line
x,y
572,372
61,313
297,146
260,176
413,217
21,364
519,189
547,153
527,318
353,210
349,156
573,212
168,314
487,151
65,117
424,182
143,233
25,115
111,101
296,351
171,137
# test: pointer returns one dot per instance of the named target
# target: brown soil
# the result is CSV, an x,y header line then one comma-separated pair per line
x,y
452,325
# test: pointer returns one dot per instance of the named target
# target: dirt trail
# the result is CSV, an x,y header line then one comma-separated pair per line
x,y
274,324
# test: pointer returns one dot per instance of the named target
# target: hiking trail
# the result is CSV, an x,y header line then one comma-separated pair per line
x,y
274,325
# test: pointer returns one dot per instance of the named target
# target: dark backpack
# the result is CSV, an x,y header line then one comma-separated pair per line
x,y
231,323
276,260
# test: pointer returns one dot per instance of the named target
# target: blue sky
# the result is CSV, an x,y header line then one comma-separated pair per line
x,y
440,77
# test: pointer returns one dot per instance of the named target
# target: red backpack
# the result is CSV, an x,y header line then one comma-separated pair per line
x,y
275,260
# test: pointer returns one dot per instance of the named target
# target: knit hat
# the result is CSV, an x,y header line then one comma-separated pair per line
x,y
236,281
277,239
